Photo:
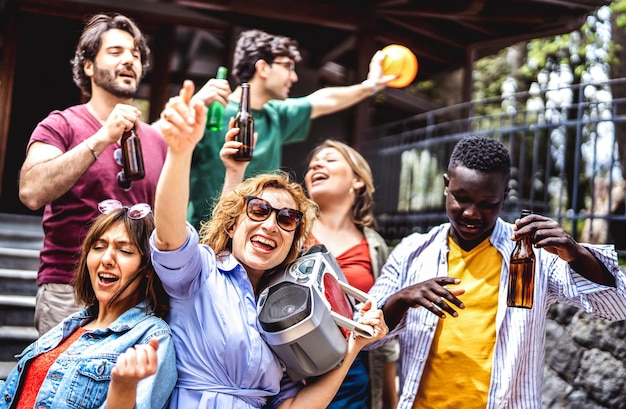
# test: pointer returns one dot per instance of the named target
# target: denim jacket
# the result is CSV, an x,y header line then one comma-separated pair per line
x,y
80,377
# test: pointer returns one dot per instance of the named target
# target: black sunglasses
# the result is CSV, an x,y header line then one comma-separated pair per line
x,y
260,210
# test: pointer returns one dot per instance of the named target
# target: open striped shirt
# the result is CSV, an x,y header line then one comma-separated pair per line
x,y
517,373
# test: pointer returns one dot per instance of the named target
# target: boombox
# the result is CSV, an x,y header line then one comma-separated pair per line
x,y
306,314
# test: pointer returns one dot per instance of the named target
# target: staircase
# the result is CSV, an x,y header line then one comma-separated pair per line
x,y
21,238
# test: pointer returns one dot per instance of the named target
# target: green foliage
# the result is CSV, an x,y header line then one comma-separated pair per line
x,y
488,75
619,7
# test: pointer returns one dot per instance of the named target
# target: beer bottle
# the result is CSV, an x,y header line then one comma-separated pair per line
x,y
521,286
216,110
132,156
245,123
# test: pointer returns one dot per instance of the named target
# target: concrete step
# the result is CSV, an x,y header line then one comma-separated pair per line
x,y
21,231
17,328
20,259
18,282
14,340
16,310
21,239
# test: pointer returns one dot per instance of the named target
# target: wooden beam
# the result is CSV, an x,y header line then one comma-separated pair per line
x,y
302,11
7,75
160,74
365,50
140,10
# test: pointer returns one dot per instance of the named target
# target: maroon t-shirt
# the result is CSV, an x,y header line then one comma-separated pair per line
x,y
66,219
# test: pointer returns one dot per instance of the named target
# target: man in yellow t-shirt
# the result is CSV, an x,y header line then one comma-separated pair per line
x,y
465,348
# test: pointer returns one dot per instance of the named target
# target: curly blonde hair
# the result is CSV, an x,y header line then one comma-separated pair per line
x,y
214,232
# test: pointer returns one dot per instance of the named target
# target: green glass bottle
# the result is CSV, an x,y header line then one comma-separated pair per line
x,y
216,110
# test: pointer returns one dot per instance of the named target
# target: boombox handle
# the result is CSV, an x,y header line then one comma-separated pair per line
x,y
366,331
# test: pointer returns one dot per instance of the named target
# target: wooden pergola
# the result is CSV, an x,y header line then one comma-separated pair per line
x,y
189,38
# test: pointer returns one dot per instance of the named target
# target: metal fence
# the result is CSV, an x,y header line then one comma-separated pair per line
x,y
564,156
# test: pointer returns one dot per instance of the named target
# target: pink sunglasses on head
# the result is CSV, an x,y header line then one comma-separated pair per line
x,y
135,212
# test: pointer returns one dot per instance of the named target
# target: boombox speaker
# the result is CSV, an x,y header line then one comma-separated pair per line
x,y
306,312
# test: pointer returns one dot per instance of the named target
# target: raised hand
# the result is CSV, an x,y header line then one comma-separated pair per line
x,y
183,120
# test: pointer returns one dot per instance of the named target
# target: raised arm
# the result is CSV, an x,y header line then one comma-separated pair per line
x,y
332,99
47,172
182,125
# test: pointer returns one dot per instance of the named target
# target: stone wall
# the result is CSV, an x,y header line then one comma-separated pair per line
x,y
585,361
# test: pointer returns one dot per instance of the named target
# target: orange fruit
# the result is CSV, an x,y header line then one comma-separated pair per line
x,y
399,60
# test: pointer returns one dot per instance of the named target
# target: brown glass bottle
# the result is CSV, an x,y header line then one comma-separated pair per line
x,y
245,123
521,286
132,156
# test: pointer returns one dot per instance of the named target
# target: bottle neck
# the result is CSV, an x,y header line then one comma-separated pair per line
x,y
132,133
244,104
221,73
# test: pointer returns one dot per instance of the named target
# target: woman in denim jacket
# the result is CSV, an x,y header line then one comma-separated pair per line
x,y
116,353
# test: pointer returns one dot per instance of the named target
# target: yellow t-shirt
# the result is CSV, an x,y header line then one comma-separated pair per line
x,y
458,369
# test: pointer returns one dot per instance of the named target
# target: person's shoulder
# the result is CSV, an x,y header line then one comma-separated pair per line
x,y
142,320
289,103
157,323
68,114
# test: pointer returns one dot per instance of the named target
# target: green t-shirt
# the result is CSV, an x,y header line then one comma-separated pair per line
x,y
278,123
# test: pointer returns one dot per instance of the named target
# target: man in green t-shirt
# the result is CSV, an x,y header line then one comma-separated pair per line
x,y
267,63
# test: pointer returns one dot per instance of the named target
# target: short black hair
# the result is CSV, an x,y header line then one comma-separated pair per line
x,y
481,153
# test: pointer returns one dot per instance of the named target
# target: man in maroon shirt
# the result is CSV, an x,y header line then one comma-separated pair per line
x,y
72,164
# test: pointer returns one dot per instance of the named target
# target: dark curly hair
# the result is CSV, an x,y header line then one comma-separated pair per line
x,y
255,45
91,41
481,153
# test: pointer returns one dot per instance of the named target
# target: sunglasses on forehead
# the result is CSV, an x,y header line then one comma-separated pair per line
x,y
135,212
259,210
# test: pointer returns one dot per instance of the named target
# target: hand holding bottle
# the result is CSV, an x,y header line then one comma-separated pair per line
x,y
245,122
132,159
235,170
521,280
122,118
215,90
216,109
